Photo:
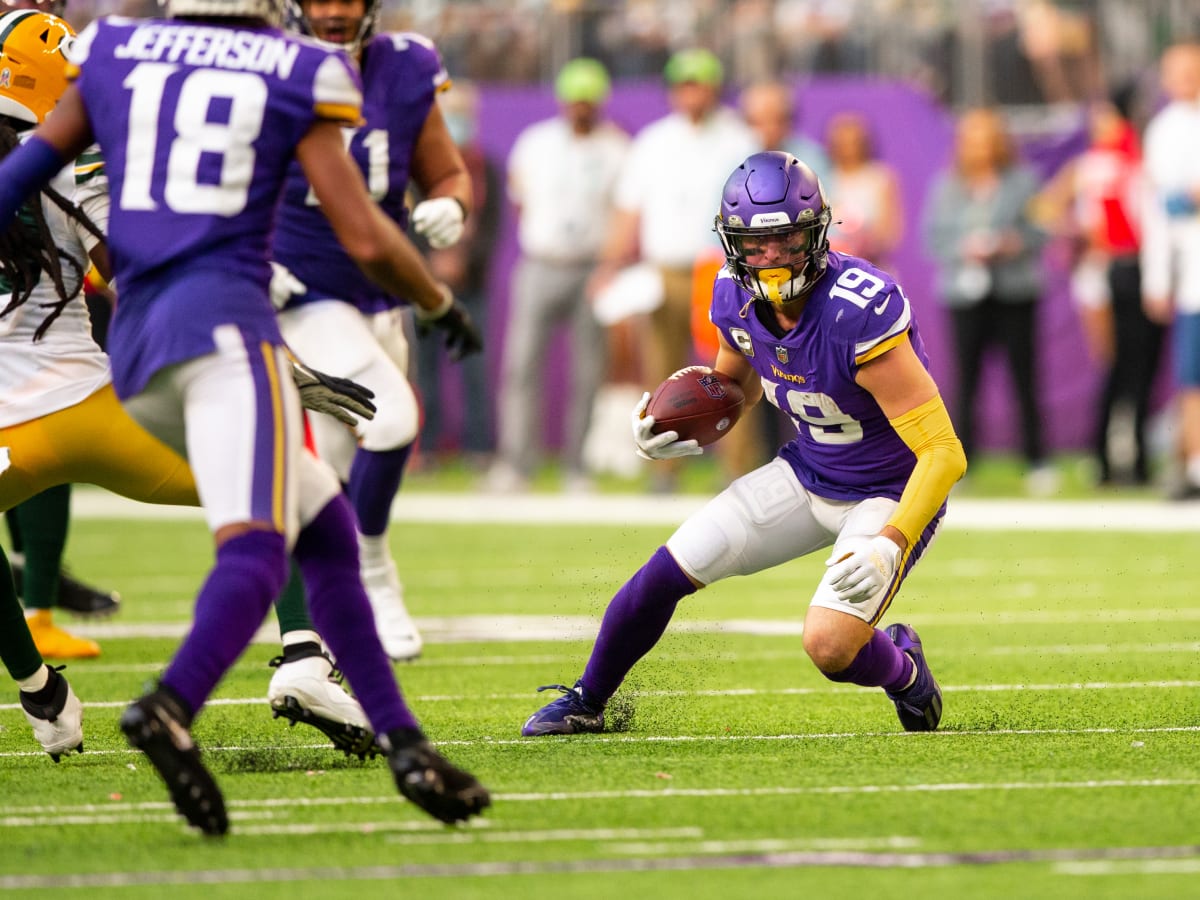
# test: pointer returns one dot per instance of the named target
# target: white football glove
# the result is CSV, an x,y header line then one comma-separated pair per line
x,y
440,221
284,285
658,446
860,567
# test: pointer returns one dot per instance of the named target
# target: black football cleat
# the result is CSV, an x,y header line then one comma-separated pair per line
x,y
428,779
919,706
74,596
158,726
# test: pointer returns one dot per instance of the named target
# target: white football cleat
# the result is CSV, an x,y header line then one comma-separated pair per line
x,y
58,725
397,631
304,690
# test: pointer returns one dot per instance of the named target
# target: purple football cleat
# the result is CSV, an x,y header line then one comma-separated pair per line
x,y
919,706
572,713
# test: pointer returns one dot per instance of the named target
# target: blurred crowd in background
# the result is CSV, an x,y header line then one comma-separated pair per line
x,y
994,226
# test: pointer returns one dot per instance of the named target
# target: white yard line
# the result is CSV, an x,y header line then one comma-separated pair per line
x,y
549,743
622,509
536,628
727,692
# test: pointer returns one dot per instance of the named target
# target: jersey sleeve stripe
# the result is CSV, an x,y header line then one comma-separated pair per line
x,y
880,348
339,112
863,350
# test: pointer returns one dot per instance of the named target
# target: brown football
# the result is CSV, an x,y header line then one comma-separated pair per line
x,y
697,403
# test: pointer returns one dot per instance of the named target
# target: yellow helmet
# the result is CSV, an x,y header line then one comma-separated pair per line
x,y
32,63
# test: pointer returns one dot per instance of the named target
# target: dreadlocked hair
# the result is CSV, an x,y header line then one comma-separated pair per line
x,y
27,248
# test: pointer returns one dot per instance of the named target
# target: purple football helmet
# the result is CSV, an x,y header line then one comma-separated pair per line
x,y
774,226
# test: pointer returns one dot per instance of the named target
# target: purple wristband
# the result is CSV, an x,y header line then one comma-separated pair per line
x,y
23,172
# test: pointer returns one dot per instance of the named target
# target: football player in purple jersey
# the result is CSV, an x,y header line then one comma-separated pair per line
x,y
329,311
831,340
350,326
198,117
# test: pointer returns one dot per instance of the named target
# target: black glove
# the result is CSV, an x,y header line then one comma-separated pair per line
x,y
462,337
338,397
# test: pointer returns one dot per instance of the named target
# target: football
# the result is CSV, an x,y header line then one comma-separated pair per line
x,y
697,403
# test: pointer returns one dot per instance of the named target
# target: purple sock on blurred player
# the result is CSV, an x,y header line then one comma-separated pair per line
x,y
634,621
375,478
880,663
327,553
249,573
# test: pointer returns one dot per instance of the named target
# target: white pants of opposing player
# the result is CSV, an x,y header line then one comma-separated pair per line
x,y
767,517
337,339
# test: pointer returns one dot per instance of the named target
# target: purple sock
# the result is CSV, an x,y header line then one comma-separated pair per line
x,y
327,553
634,621
248,575
375,478
880,663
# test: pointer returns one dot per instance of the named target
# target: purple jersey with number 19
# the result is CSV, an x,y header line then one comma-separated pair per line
x,y
845,448
197,124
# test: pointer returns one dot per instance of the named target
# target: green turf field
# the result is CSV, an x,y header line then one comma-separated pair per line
x,y
1068,764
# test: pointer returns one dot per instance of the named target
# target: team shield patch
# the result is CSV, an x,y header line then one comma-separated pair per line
x,y
781,354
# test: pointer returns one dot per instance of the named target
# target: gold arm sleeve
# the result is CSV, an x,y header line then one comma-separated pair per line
x,y
928,432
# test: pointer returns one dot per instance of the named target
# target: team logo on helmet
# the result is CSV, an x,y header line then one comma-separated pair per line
x,y
33,64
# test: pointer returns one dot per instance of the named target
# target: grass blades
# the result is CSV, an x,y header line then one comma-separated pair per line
x,y
1068,764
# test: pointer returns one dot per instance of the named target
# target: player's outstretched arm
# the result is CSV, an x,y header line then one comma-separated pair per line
x,y
57,141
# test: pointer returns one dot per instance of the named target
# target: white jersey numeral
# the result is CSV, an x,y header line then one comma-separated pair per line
x,y
376,142
816,412
229,141
858,286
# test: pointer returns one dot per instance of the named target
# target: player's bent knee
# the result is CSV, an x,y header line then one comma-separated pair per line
x,y
395,423
831,649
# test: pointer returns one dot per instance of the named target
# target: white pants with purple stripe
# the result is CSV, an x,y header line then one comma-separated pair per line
x,y
235,416
767,517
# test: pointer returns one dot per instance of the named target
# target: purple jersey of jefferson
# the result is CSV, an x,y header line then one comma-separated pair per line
x,y
845,448
402,74
197,124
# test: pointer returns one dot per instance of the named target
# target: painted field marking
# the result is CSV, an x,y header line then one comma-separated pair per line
x,y
564,867
622,509
726,692
539,628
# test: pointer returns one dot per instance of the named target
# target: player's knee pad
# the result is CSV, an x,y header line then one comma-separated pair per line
x,y
396,419
734,534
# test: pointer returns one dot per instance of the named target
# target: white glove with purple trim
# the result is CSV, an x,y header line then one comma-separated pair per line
x,y
860,567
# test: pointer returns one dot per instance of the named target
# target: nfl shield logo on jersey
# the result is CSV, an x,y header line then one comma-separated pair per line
x,y
781,354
